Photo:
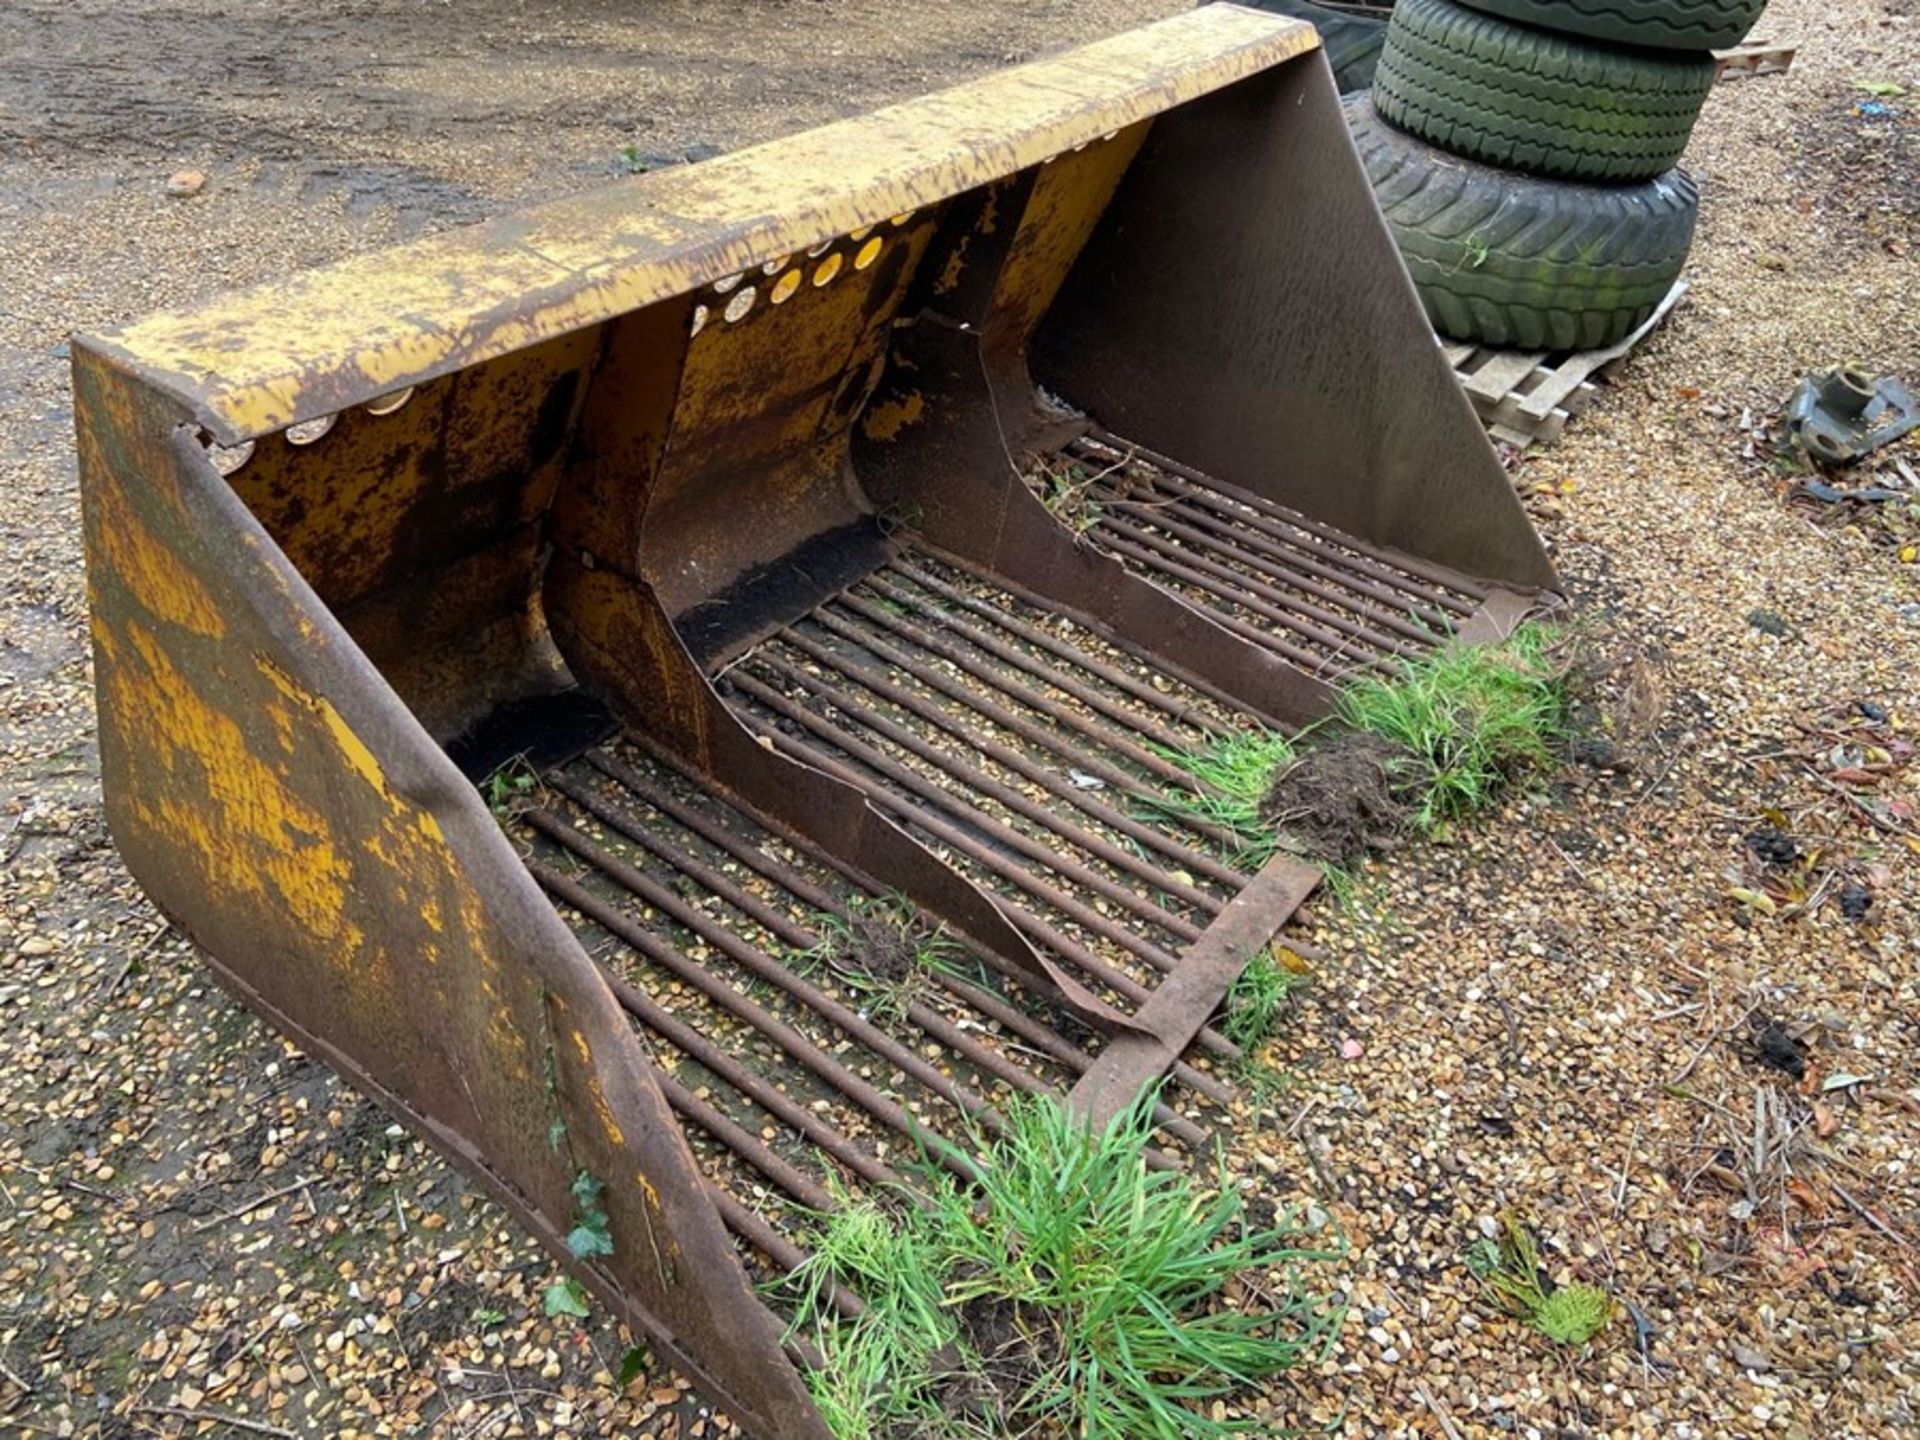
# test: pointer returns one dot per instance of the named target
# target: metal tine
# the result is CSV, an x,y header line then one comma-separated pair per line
x,y
1232,704
749,1012
757,1088
931,795
1444,586
1049,935
1103,705
765,967
809,995
1205,573
923,639
979,780
1033,635
1009,758
1018,724
1079,756
749,1147
785,1255
932,1022
1044,933
1251,548
1198,1081
777,872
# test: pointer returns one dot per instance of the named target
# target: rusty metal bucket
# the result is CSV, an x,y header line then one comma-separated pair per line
x,y
727,499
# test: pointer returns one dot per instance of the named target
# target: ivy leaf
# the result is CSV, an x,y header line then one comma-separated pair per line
x,y
586,1189
633,1365
590,1238
556,1135
566,1296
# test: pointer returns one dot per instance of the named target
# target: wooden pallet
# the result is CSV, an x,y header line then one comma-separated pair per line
x,y
1523,396
1753,58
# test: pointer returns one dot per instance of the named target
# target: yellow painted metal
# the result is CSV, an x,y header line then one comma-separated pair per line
x,y
305,347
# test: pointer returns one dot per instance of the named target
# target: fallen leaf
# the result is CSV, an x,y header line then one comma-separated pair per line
x,y
1760,902
1825,1122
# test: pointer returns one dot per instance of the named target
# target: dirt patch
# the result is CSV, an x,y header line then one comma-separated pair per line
x,y
1337,800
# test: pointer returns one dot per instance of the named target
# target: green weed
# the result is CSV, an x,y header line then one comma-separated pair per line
x,y
1256,999
1467,719
884,949
1233,773
1508,1268
1069,1290
508,786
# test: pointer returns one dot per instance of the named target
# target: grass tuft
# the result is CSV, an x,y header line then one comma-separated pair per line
x,y
1069,1290
885,949
1257,998
1468,719
1233,772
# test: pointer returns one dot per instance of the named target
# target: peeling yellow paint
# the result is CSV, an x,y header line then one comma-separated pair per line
x,y
223,804
156,577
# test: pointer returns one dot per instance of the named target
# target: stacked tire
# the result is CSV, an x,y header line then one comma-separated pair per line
x,y
1523,152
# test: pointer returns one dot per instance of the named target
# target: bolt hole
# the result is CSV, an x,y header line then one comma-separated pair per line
x,y
700,316
869,253
308,431
387,404
784,287
227,459
829,268
721,287
740,304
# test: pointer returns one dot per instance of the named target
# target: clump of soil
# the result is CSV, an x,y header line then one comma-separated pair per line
x,y
1012,1347
1337,800
878,947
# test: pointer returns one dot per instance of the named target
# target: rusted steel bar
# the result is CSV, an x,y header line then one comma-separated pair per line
x,y
1002,794
1049,935
1231,586
947,623
1248,547
920,638
748,1146
1014,723
776,1102
1279,644
1198,1081
1009,758
749,1012
1031,1031
1183,1003
1154,660
765,967
1294,534
931,795
1068,949
782,1252
1379,559
1033,635
936,1025
928,1020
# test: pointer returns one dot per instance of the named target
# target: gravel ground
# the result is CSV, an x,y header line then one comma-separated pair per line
x,y
1578,1013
